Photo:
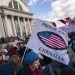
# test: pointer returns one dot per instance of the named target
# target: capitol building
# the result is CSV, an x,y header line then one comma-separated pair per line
x,y
15,18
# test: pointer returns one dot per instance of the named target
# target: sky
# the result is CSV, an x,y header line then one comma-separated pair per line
x,y
51,10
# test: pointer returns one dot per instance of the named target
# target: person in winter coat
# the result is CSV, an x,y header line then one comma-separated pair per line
x,y
6,69
31,65
1,59
72,43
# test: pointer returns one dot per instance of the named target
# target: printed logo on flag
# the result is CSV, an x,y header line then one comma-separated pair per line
x,y
52,40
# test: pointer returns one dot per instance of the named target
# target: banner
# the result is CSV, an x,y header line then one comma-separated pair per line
x,y
69,28
49,41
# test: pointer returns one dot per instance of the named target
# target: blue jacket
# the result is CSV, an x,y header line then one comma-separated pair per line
x,y
6,69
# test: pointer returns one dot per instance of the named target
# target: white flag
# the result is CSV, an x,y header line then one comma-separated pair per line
x,y
49,41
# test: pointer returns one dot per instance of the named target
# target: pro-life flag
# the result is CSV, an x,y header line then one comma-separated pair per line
x,y
49,41
52,40
54,24
63,21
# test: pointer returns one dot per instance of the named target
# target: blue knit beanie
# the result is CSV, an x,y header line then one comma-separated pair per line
x,y
31,57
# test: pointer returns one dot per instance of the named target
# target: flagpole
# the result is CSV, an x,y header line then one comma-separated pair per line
x,y
24,54
50,69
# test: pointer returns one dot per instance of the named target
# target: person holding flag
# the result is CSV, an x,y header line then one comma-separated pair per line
x,y
31,65
49,41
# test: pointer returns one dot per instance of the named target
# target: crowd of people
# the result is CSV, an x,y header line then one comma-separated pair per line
x,y
12,54
10,50
14,62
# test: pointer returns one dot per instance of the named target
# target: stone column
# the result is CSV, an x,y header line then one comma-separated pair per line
x,y
29,26
20,27
13,26
31,23
4,25
18,6
12,4
5,21
25,25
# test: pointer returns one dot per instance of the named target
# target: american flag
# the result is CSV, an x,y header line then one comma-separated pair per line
x,y
52,40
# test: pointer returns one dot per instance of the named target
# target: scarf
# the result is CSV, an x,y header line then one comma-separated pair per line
x,y
34,72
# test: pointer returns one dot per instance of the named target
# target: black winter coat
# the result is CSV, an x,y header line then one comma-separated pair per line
x,y
24,71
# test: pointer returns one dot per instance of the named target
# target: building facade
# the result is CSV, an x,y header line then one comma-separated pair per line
x,y
15,18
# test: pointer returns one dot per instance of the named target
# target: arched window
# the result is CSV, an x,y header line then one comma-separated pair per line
x,y
15,5
10,5
20,7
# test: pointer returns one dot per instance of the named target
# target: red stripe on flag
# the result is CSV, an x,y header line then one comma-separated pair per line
x,y
54,42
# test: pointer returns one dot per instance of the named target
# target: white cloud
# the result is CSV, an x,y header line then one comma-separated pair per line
x,y
33,2
60,8
63,8
43,1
